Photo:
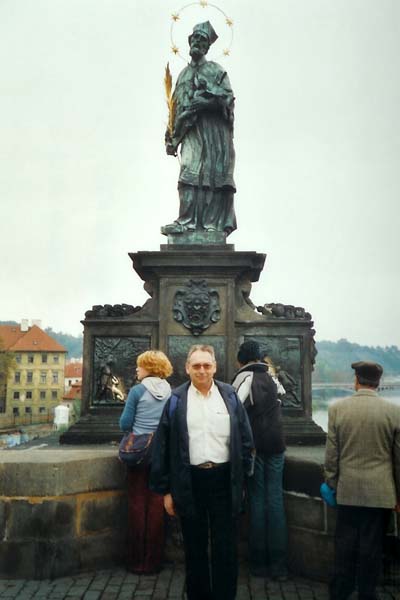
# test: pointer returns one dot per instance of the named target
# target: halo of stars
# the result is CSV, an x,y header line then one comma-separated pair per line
x,y
175,17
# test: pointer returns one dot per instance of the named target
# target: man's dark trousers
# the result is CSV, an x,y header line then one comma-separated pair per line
x,y
212,497
358,543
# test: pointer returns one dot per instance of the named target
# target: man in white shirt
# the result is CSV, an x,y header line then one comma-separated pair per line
x,y
202,449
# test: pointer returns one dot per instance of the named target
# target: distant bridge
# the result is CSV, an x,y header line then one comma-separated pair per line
x,y
346,387
385,385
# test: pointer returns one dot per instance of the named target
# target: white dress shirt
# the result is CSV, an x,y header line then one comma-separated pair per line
x,y
208,426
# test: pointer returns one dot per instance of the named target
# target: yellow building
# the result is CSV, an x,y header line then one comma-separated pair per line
x,y
36,385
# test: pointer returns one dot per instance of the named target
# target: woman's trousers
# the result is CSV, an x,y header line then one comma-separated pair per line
x,y
145,524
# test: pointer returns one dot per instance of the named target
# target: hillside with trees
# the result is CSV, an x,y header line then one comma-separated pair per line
x,y
334,359
74,344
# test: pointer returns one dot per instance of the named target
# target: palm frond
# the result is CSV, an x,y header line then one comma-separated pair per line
x,y
170,100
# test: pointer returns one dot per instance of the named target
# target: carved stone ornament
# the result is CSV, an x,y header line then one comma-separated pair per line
x,y
313,348
276,310
196,306
108,310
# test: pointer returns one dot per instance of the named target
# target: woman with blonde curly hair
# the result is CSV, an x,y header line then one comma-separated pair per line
x,y
142,412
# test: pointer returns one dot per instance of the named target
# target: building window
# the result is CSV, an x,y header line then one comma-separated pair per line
x,y
29,377
16,395
56,358
55,376
54,394
42,394
42,410
44,358
28,410
17,377
29,395
43,376
16,411
30,358
18,358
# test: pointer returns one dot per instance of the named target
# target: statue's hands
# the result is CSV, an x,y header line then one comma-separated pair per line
x,y
170,149
170,146
201,103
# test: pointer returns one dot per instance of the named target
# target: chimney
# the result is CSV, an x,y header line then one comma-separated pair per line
x,y
37,322
24,325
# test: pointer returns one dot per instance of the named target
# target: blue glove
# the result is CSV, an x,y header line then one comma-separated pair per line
x,y
328,494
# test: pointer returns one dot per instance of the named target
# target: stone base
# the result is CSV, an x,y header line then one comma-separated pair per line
x,y
200,293
197,248
303,431
99,426
206,238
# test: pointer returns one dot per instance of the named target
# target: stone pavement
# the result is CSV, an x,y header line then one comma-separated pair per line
x,y
119,584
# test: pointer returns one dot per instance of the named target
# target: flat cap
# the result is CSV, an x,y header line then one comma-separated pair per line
x,y
369,370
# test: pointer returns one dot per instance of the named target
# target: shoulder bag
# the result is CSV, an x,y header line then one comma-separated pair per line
x,y
135,450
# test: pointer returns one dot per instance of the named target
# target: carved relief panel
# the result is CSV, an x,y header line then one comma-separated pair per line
x,y
284,357
114,361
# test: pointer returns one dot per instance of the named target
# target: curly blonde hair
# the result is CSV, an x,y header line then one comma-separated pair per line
x,y
156,363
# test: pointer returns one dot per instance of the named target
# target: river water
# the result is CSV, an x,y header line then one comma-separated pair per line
x,y
323,398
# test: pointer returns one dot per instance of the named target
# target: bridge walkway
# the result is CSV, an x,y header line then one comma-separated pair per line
x,y
119,584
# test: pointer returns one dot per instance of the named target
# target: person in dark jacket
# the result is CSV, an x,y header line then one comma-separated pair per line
x,y
267,521
202,449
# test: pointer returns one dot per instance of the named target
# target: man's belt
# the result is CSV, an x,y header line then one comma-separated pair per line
x,y
210,465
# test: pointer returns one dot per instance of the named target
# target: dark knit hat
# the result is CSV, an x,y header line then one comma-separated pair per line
x,y
249,351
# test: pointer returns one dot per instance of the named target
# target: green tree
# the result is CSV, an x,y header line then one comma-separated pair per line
x,y
7,364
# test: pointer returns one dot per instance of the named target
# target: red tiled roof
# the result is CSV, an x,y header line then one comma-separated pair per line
x,y
9,335
73,369
74,392
33,340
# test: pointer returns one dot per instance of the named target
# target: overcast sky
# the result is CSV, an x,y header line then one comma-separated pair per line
x,y
84,178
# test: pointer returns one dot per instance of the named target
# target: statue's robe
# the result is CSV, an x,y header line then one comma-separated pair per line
x,y
206,185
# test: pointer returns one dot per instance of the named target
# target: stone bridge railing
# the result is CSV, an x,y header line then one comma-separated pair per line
x,y
64,510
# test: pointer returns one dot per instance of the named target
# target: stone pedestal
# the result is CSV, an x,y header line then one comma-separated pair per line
x,y
199,294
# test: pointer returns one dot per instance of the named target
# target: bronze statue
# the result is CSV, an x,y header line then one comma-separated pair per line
x,y
108,382
202,126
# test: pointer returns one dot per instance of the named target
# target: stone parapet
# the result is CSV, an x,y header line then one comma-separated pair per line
x,y
311,523
64,511
61,511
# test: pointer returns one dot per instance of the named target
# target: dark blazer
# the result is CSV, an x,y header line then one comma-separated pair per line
x,y
170,470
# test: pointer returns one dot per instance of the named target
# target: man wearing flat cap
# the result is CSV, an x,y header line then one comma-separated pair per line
x,y
362,463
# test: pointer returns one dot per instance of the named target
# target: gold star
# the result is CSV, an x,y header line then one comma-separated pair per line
x,y
175,49
203,3
175,17
226,52
229,22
